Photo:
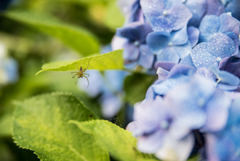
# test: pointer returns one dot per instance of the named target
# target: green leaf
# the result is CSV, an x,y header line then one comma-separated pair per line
x,y
41,124
119,142
76,37
5,124
109,61
136,86
113,17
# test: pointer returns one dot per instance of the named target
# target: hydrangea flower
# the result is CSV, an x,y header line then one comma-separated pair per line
x,y
225,145
173,117
212,24
198,9
135,48
166,15
8,68
172,46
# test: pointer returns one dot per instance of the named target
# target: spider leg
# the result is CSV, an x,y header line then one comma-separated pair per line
x,y
77,66
74,75
86,74
87,80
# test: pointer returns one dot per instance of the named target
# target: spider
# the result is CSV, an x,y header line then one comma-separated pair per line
x,y
81,73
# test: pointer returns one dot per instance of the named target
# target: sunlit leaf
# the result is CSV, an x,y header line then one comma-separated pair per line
x,y
76,37
41,125
119,142
109,61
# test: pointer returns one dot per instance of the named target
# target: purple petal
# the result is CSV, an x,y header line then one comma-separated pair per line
x,y
118,42
193,35
130,33
146,57
208,27
179,37
198,8
182,14
165,65
162,74
187,60
233,7
217,120
221,45
180,69
168,54
158,41
229,24
131,52
214,7
233,68
201,57
183,50
225,87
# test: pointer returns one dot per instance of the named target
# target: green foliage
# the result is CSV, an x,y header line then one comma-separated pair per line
x,y
113,17
119,142
5,122
136,86
76,37
108,61
41,124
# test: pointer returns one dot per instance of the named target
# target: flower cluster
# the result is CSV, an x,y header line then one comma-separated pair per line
x,y
194,105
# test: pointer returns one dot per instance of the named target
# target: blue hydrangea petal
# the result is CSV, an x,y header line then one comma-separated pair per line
x,y
168,54
193,35
216,121
229,24
206,73
130,33
233,68
186,121
234,113
220,45
201,57
158,41
225,87
150,144
198,8
115,79
187,60
179,37
215,7
228,78
235,38
162,73
180,15
233,7
164,87
110,105
208,27
146,57
131,52
180,69
183,50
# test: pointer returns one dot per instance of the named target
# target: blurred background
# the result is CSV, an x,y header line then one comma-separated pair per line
x,y
23,50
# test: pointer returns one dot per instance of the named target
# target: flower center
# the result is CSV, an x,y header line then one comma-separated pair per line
x,y
165,13
170,44
136,43
219,59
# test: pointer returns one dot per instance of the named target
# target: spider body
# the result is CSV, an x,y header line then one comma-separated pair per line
x,y
81,73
